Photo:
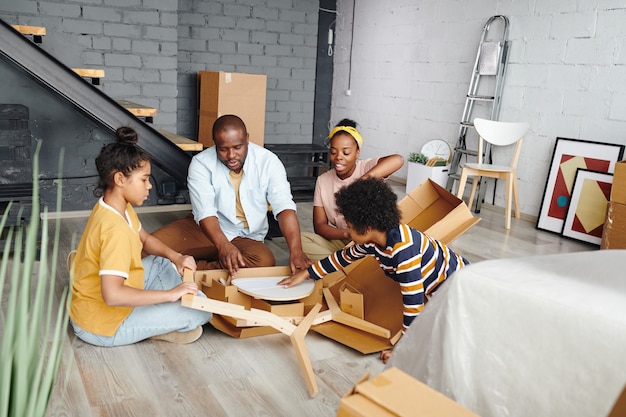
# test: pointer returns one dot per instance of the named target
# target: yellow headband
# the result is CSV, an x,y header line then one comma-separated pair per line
x,y
350,130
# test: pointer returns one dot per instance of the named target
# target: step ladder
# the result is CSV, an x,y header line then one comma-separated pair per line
x,y
483,99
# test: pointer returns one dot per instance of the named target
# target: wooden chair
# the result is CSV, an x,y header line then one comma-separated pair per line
x,y
497,134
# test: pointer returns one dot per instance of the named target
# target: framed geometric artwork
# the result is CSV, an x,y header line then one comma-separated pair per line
x,y
587,208
568,156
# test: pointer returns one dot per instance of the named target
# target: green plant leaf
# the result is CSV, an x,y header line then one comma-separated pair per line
x,y
33,326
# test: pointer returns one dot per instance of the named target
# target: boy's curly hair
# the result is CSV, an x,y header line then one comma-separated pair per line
x,y
368,202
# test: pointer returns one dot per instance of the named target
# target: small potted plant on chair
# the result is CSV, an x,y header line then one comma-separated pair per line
x,y
422,167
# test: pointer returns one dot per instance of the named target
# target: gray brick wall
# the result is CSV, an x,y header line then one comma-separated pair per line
x,y
135,42
151,51
273,37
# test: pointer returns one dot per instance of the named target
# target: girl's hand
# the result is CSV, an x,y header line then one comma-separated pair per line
x,y
183,261
183,289
296,278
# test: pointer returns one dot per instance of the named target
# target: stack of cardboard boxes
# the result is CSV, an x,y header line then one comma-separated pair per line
x,y
614,232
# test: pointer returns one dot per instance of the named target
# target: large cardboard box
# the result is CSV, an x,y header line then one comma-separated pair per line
x,y
429,208
394,393
221,93
618,189
614,231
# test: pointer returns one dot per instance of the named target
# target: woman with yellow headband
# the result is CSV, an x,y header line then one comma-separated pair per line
x,y
331,231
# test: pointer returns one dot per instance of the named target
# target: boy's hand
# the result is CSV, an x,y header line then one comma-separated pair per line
x,y
295,279
385,355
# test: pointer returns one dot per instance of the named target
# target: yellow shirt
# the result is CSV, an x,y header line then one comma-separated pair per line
x,y
110,245
235,179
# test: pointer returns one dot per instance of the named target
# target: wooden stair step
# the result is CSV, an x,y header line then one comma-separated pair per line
x,y
138,110
182,142
37,32
30,30
94,74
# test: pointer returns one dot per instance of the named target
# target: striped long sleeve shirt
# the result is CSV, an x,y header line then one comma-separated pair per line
x,y
416,261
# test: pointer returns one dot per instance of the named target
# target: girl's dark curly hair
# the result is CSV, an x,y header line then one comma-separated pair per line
x,y
121,156
368,202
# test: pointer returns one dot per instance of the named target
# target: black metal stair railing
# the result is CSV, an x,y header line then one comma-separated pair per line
x,y
64,82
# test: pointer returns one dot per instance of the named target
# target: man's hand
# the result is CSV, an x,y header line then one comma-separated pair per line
x,y
296,278
230,258
298,261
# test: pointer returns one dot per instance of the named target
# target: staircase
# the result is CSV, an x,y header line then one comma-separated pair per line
x,y
95,75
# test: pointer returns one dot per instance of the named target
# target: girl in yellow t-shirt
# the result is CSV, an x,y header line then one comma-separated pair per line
x,y
118,298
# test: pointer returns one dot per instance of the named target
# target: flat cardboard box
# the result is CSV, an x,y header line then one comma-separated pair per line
x,y
221,93
394,393
429,208
614,231
212,284
618,189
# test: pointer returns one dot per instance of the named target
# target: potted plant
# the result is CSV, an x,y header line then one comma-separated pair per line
x,y
421,167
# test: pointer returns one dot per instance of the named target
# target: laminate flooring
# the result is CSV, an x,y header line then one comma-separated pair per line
x,y
222,376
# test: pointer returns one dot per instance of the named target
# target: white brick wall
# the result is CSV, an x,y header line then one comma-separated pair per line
x,y
412,62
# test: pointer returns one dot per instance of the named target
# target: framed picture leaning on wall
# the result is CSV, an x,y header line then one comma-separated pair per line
x,y
587,208
568,156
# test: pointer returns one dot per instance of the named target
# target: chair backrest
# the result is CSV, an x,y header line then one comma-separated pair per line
x,y
500,134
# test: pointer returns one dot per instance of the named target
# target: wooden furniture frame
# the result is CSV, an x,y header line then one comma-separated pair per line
x,y
258,317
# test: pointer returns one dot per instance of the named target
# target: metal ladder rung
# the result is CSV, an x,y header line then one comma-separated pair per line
x,y
480,98
467,124
467,152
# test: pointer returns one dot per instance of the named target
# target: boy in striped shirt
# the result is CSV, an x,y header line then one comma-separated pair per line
x,y
416,261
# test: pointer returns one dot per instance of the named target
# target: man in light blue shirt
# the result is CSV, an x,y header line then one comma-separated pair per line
x,y
230,186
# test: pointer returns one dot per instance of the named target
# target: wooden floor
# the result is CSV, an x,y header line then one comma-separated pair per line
x,y
223,376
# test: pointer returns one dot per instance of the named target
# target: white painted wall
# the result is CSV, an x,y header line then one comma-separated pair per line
x,y
412,61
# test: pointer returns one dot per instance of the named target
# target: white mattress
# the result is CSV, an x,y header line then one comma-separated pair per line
x,y
536,336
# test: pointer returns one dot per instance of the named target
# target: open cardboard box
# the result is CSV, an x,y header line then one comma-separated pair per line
x,y
394,393
429,208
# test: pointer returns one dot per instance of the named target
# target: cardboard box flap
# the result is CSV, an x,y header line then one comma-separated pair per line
x,y
392,388
356,339
358,405
223,325
382,299
463,220
433,210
